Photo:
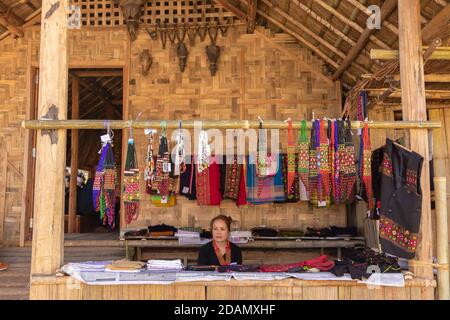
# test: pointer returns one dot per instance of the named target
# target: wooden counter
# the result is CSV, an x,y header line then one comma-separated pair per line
x,y
56,288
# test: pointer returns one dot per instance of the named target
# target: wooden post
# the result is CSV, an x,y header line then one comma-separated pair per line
x,y
48,244
74,159
414,108
442,236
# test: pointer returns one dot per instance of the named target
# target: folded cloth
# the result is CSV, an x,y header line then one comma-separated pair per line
x,y
241,234
187,234
161,228
125,265
162,234
164,265
264,232
322,263
206,234
239,268
192,229
137,233
290,233
356,270
200,268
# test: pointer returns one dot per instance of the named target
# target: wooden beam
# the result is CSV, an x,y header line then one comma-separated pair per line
x,y
98,73
441,53
48,232
386,10
252,6
228,6
11,26
364,9
302,40
7,10
414,108
353,24
74,158
434,77
397,93
437,26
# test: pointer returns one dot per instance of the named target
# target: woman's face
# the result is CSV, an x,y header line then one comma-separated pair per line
x,y
220,231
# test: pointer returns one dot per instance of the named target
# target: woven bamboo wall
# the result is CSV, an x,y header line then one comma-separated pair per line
x,y
259,74
13,102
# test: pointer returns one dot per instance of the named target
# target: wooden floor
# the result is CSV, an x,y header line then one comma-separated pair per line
x,y
14,282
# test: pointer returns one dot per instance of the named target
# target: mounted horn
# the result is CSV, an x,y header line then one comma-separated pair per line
x,y
146,61
131,10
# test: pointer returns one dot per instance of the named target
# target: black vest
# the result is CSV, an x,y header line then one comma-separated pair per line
x,y
401,201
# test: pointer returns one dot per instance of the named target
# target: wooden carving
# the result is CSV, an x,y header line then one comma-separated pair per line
x,y
182,50
213,51
146,61
131,10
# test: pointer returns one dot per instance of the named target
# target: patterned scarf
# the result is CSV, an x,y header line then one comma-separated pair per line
x,y
264,189
204,152
336,161
266,164
349,168
163,182
324,169
292,193
303,156
149,173
131,181
232,179
208,184
291,156
180,156
367,168
104,189
313,166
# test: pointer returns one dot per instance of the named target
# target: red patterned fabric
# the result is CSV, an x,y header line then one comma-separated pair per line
x,y
367,168
242,195
208,184
322,263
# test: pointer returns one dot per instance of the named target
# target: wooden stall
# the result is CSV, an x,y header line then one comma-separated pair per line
x,y
289,59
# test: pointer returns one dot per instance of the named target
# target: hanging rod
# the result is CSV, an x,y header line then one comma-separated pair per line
x,y
212,124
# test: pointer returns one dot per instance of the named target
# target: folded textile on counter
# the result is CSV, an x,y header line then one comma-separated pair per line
x,y
164,265
188,241
125,266
264,232
331,232
292,233
137,233
239,268
322,263
240,236
187,234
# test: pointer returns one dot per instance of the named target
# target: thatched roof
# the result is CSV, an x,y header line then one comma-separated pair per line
x,y
332,29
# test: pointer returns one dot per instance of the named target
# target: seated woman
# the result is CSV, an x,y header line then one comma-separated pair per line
x,y
220,251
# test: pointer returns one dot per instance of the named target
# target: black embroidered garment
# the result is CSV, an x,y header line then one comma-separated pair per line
x,y
401,201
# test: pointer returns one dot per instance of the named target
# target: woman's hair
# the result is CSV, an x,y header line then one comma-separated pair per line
x,y
225,219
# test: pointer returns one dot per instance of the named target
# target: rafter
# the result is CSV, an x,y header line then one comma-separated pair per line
x,y
308,31
353,24
304,41
227,5
364,9
386,10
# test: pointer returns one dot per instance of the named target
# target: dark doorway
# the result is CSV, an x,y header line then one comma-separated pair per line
x,y
100,97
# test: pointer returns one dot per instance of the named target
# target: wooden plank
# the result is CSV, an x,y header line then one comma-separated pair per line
x,y
442,53
74,158
47,251
436,26
321,293
414,108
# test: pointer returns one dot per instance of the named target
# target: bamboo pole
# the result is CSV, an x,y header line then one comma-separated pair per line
x,y
414,108
441,53
442,236
211,124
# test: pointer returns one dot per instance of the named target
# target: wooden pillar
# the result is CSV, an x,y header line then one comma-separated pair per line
x,y
74,158
48,245
414,108
442,236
